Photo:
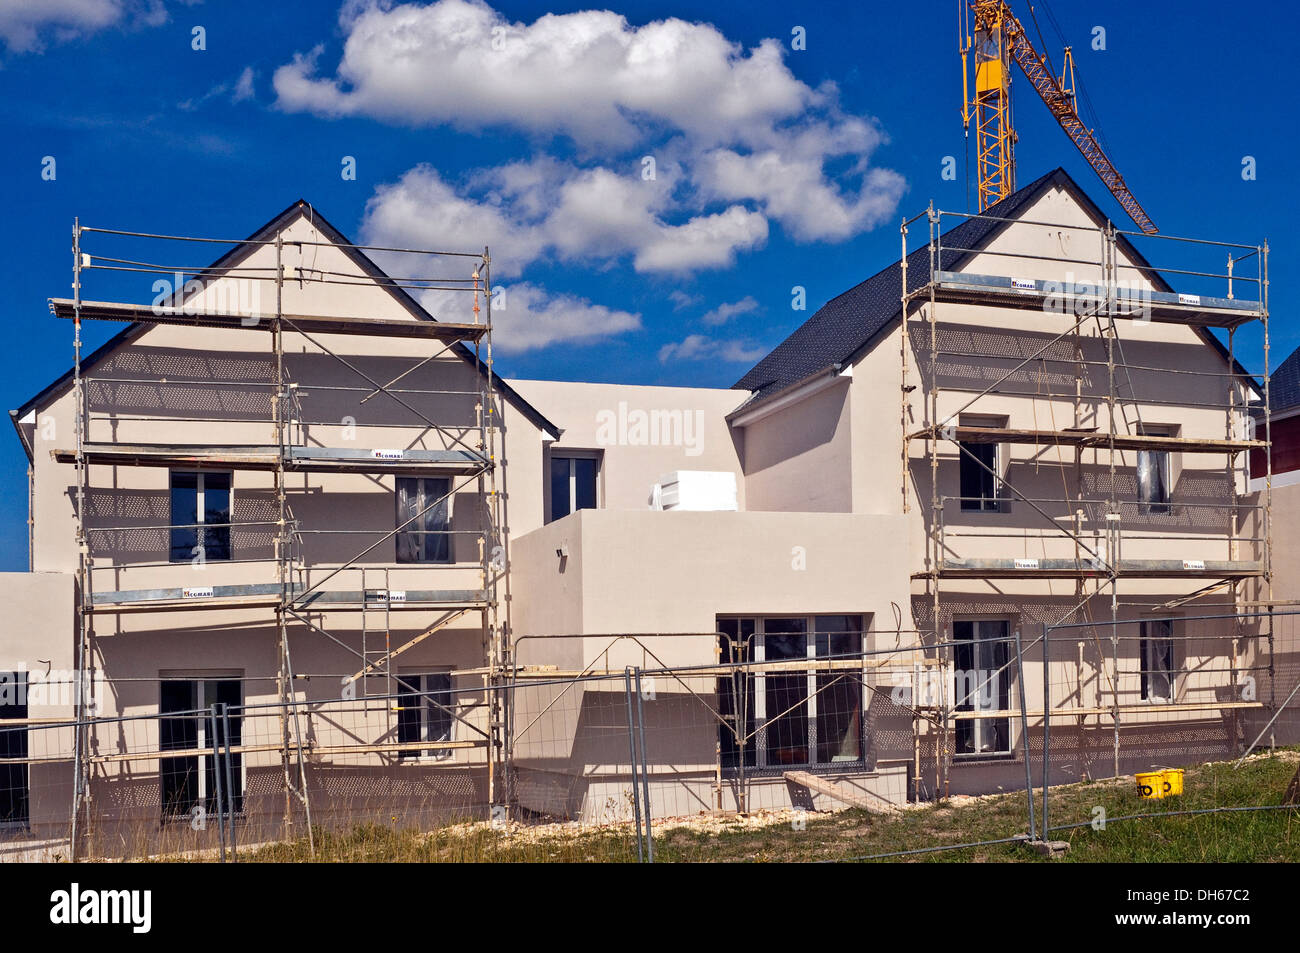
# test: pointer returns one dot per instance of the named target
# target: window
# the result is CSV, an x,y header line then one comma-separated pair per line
x,y
980,467
791,714
188,782
1156,652
573,482
1153,475
13,747
427,539
200,519
736,693
424,704
983,684
785,718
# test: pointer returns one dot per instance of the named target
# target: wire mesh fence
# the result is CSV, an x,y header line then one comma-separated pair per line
x,y
796,743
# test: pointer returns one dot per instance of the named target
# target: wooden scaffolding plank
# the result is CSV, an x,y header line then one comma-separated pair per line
x,y
830,789
1087,439
256,595
1164,307
312,323
266,457
1144,709
1033,568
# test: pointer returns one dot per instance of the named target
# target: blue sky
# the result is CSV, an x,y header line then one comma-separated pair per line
x,y
775,167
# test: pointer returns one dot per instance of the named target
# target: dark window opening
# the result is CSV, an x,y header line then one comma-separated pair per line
x,y
786,694
979,483
427,537
736,694
572,484
1156,652
1153,481
424,707
983,684
839,694
200,516
190,781
14,797
798,711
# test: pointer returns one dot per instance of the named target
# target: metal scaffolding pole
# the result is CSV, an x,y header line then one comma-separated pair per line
x,y
81,768
474,465
1107,301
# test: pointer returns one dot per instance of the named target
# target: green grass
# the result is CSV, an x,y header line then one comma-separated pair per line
x,y
1263,836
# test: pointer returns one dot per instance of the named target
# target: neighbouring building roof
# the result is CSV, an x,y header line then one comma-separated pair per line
x,y
849,323
299,209
1284,384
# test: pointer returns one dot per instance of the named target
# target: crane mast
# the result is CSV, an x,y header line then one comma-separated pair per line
x,y
992,38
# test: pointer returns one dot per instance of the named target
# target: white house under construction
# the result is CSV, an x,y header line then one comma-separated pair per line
x,y
289,489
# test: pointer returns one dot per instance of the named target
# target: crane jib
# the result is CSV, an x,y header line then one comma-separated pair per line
x,y
999,38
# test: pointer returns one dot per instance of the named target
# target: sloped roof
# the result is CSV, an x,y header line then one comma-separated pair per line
x,y
848,322
1284,385
299,209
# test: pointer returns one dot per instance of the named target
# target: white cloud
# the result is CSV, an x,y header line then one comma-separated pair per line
x,y
239,90
28,26
588,74
243,86
738,141
420,210
549,208
526,317
682,300
796,192
706,241
725,312
697,347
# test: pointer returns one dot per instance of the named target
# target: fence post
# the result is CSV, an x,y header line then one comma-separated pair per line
x,y
217,773
645,770
1024,733
1047,725
230,786
632,763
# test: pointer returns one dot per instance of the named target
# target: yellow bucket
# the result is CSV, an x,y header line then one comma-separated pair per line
x,y
1173,781
1160,784
1151,784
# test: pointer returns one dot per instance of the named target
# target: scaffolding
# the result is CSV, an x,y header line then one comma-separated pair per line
x,y
294,593
1077,359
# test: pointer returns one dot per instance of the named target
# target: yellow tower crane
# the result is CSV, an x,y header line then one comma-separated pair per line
x,y
991,38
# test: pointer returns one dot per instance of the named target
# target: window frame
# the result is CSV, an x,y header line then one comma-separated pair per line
x,y
1165,458
19,787
202,797
566,453
979,647
433,755
997,503
754,752
1146,668
423,534
199,527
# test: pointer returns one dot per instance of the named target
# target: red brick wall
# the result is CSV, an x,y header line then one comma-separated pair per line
x,y
1286,448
